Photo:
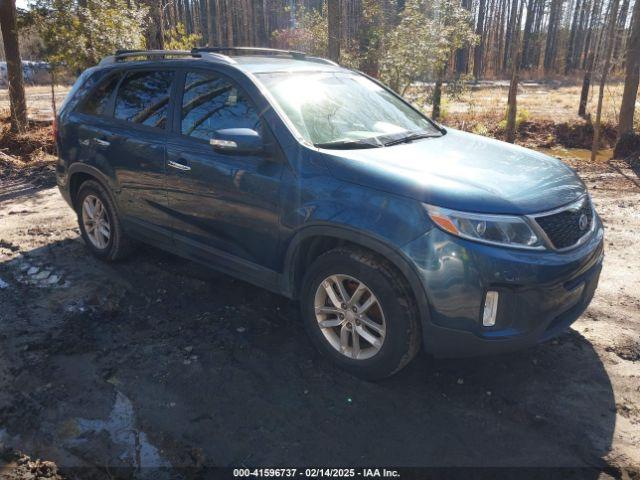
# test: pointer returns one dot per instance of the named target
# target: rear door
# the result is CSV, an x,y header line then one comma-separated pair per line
x,y
137,149
95,120
225,207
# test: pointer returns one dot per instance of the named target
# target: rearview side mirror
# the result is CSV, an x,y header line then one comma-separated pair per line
x,y
239,141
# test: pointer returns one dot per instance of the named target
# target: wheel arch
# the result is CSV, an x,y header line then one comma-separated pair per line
x,y
80,173
312,241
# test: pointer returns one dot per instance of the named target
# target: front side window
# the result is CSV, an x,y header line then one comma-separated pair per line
x,y
211,103
98,101
343,108
143,97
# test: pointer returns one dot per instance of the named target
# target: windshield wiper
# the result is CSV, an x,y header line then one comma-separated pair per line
x,y
410,138
348,144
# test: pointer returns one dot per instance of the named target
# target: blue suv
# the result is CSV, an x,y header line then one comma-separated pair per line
x,y
321,184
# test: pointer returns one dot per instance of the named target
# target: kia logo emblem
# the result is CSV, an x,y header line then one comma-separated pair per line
x,y
583,222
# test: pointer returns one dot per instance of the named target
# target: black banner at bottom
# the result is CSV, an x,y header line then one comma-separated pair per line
x,y
392,473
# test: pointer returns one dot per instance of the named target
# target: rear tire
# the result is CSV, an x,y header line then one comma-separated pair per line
x,y
380,312
99,222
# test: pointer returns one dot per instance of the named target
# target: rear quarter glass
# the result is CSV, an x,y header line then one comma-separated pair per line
x,y
85,83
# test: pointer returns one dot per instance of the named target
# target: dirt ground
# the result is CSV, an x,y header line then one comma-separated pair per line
x,y
158,362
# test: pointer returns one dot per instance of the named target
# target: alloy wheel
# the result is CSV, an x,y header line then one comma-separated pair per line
x,y
96,221
350,316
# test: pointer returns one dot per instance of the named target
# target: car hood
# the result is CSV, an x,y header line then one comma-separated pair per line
x,y
462,171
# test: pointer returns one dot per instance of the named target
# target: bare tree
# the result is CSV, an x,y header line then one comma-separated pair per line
x,y
480,30
333,7
512,106
155,26
14,64
509,35
527,35
212,14
551,47
228,8
573,36
611,30
620,28
437,94
632,75
586,84
462,54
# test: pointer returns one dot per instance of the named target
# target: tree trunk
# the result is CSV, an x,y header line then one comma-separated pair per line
x,y
586,83
54,107
218,22
499,38
211,16
462,54
527,34
512,103
229,12
573,35
333,22
508,54
595,14
14,65
202,19
632,75
537,34
437,95
576,52
555,13
603,79
155,28
188,21
478,51
621,24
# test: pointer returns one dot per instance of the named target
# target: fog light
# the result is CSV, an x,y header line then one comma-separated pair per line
x,y
490,309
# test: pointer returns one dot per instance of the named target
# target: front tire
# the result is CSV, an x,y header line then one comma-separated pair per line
x,y
359,312
99,222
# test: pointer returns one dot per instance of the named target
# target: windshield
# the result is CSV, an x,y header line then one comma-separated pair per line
x,y
344,109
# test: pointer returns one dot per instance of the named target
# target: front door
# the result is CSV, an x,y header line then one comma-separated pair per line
x,y
225,206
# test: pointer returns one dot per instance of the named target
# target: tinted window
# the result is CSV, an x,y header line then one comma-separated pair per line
x,y
86,81
98,101
212,103
143,97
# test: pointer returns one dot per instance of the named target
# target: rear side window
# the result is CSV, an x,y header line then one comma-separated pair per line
x,y
211,103
99,99
143,97
86,81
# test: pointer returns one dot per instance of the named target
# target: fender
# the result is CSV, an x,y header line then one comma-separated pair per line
x,y
357,237
83,167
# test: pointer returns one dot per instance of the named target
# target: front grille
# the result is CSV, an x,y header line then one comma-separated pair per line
x,y
563,228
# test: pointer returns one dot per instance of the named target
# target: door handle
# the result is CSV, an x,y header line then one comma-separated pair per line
x,y
85,143
101,143
178,166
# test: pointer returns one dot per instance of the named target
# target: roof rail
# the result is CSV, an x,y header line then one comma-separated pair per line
x,y
121,55
295,54
214,53
272,51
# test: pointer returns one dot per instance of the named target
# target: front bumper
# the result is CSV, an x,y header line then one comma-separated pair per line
x,y
541,292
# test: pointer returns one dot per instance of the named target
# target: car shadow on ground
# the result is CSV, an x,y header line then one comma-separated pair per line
x,y
157,361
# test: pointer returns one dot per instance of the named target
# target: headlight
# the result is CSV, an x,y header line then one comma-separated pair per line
x,y
507,230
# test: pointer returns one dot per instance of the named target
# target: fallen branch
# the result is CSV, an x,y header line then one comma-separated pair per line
x,y
11,158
